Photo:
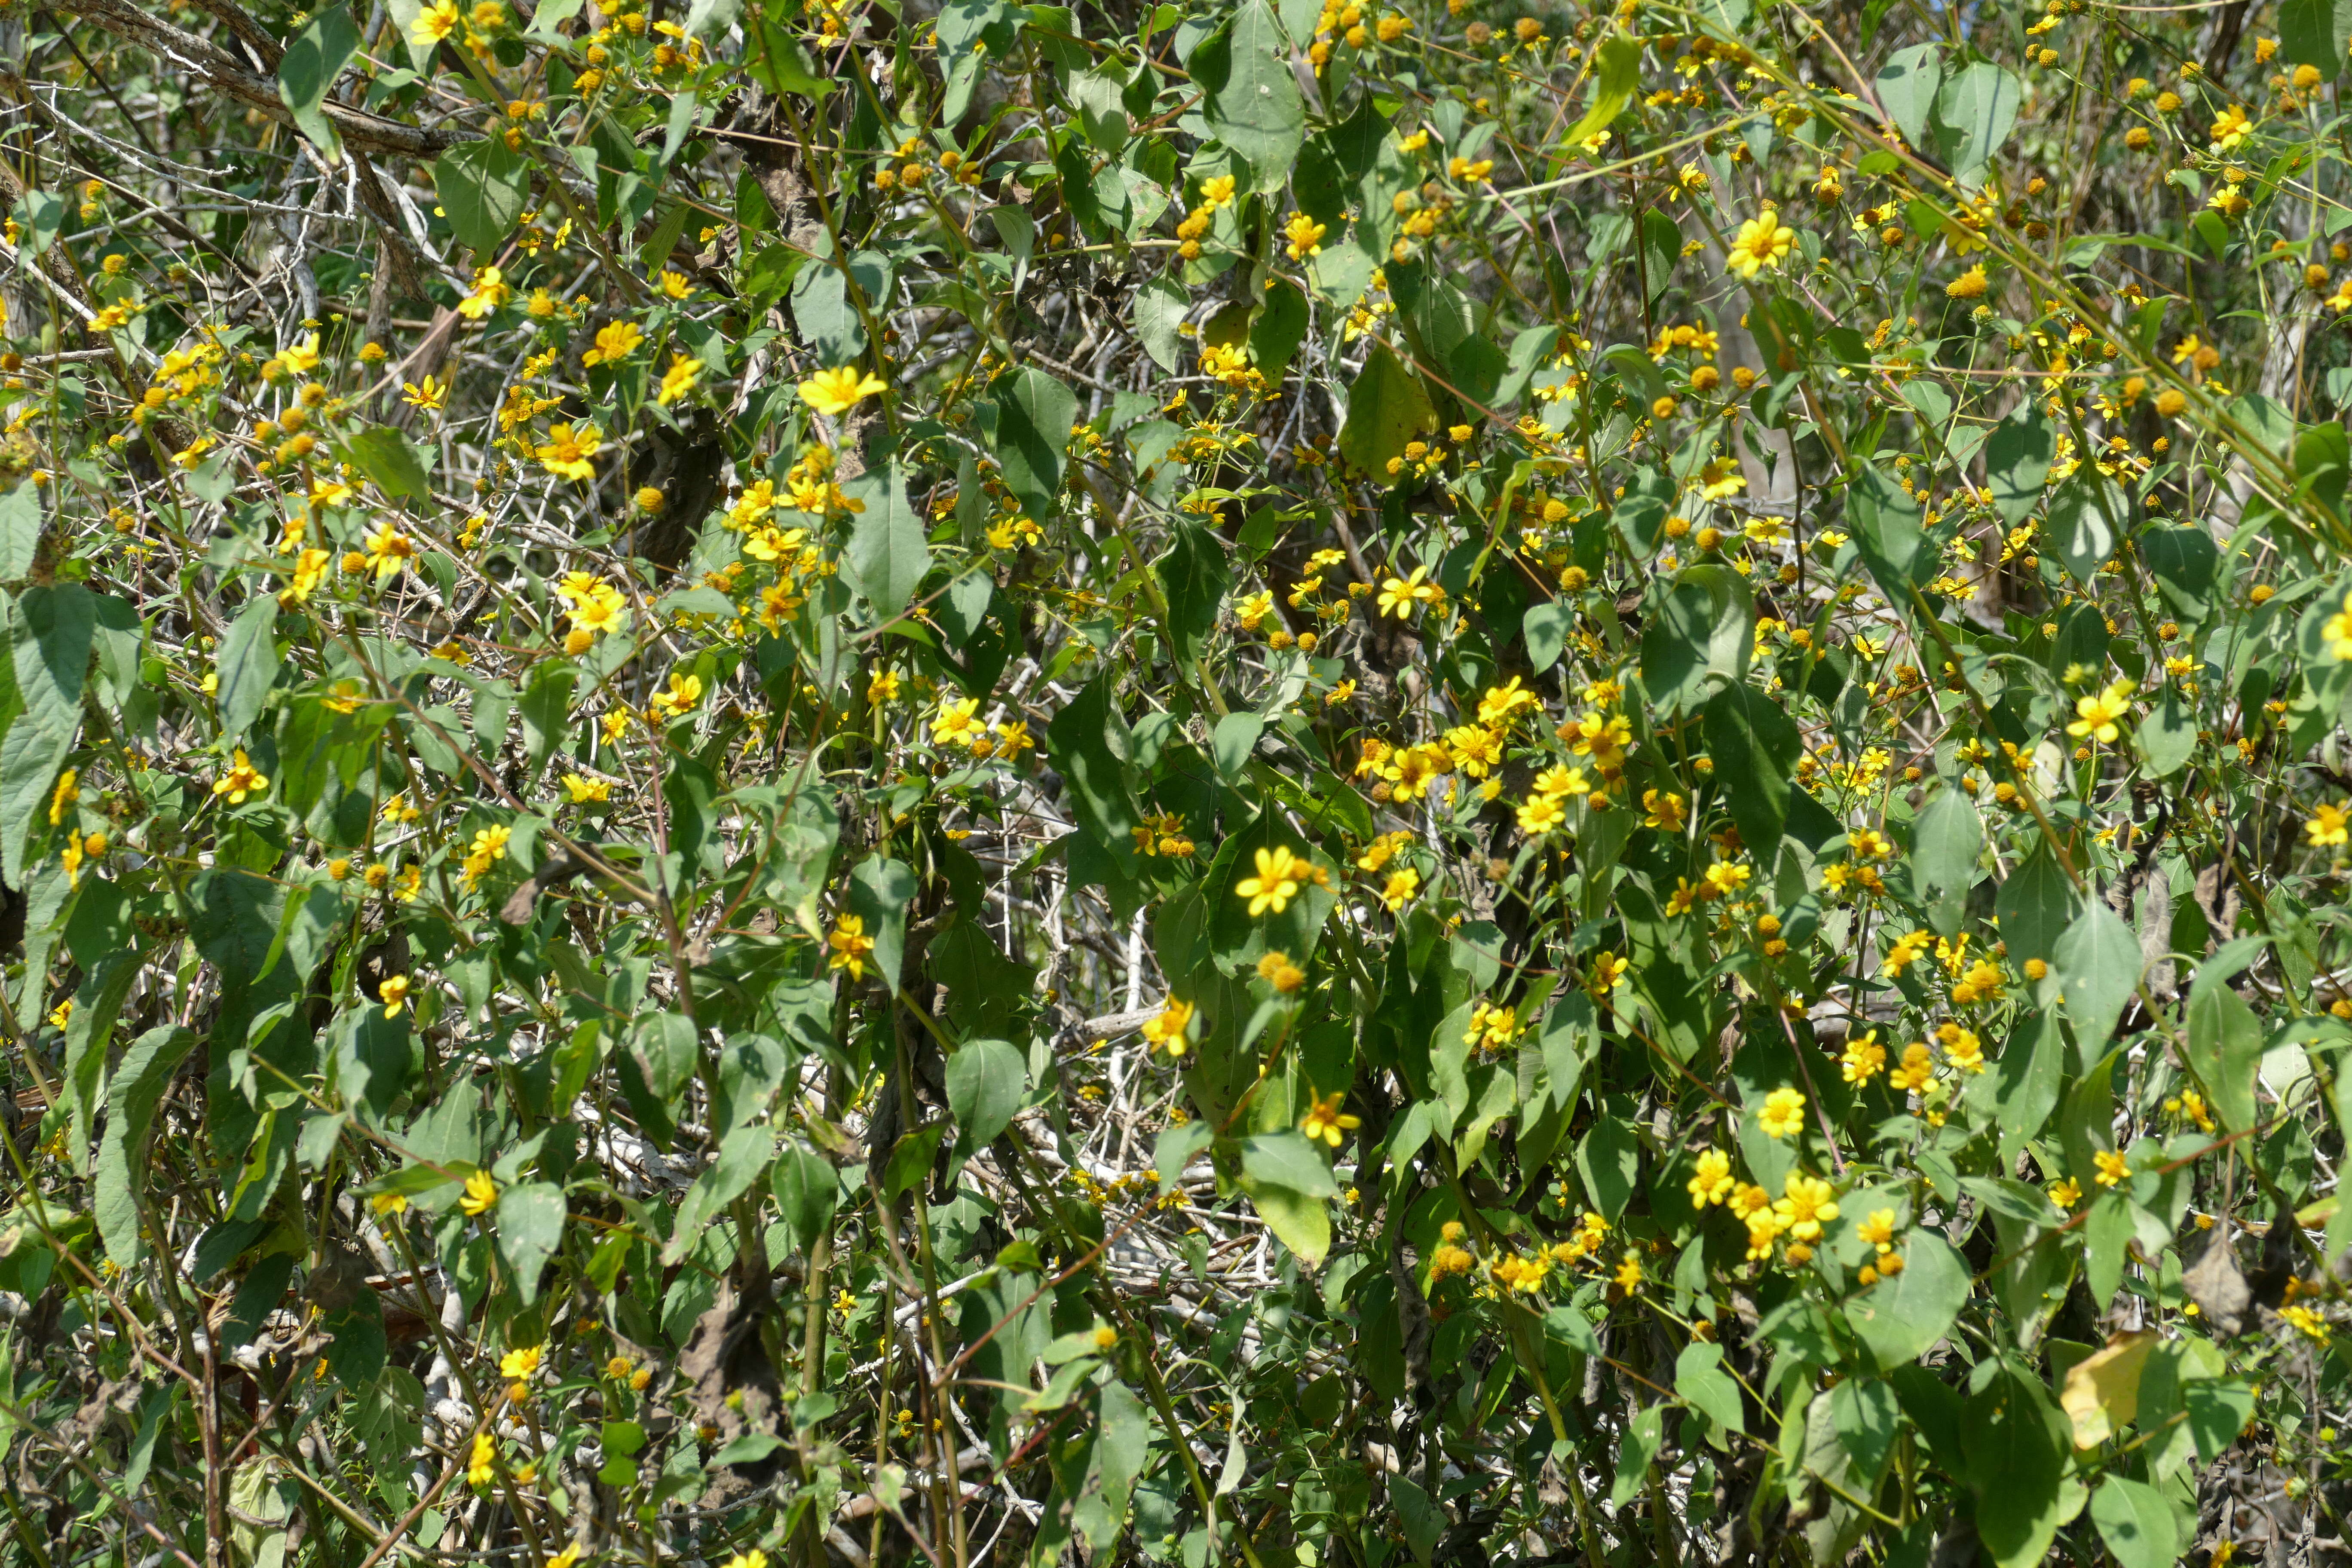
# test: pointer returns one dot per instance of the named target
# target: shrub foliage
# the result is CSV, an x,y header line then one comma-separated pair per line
x,y
1193,783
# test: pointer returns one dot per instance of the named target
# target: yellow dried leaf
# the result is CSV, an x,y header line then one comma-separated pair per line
x,y
2102,1390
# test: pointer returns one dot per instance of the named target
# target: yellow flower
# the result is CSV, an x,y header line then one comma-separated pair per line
x,y
1878,1229
1763,241
1399,594
1629,1273
2095,715
389,1202
674,286
570,453
1783,1113
957,723
1713,1182
1169,1031
2114,1169
2230,128
1217,190
389,551
1540,815
62,1013
481,1466
427,394
518,1366
65,795
1862,1058
685,692
1304,234
480,1193
2337,628
2065,1192
584,790
614,339
242,779
1808,1205
2328,823
1280,874
490,289
849,945
1661,809
435,23
679,379
836,392
393,994
1400,888
1326,1121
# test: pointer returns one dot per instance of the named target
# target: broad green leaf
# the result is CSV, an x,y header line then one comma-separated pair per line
x,y
987,1081
248,665
806,1189
1289,1160
2136,1522
1252,104
1756,748
1159,309
391,464
2087,516
828,321
1899,1318
21,522
1178,1147
2313,33
139,1081
667,1053
1388,408
1946,841
1079,742
2166,738
887,554
2035,906
2097,961
529,1228
483,188
312,61
2017,457
1299,1221
879,892
1978,110
1907,88
743,1156
2225,1050
1704,1385
2183,561
1616,75
1034,415
2015,1444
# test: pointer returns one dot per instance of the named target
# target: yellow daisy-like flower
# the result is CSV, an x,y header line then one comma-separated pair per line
x,y
2095,715
1712,1183
2328,825
480,1193
242,780
1169,1031
1327,1123
1809,1203
1763,241
570,452
1783,1113
678,380
1280,875
833,393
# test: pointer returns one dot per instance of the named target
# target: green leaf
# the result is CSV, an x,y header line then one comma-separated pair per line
x,y
138,1085
1289,1160
1946,840
1867,1417
1387,408
1888,533
1756,748
1195,574
1906,87
828,322
1159,309
887,552
2098,962
1178,1147
1614,77
2183,561
483,189
2087,517
1034,415
1078,744
1299,1222
20,532
1702,1383
391,464
2312,33
247,665
1545,627
806,1189
2166,738
2016,1445
743,1156
2035,906
2225,1049
987,1081
1635,1449
307,70
2017,458
530,1229
1252,104
1978,108
666,1050
879,892
2136,1522
1899,1318
1232,742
